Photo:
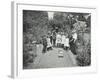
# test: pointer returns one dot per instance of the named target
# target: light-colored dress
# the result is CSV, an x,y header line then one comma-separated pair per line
x,y
74,36
66,43
48,43
63,39
58,38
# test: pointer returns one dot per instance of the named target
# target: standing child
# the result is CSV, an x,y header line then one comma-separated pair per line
x,y
54,38
63,40
49,45
44,42
58,40
51,38
66,44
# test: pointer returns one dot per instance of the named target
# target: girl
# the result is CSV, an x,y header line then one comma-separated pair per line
x,y
49,45
66,44
63,40
58,40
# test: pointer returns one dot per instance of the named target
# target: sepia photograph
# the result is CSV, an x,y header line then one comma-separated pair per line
x,y
53,39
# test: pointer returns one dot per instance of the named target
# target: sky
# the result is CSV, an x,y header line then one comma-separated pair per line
x,y
50,15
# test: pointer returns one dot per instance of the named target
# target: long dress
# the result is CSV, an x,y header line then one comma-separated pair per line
x,y
58,39
72,45
48,43
44,45
63,39
66,43
54,38
74,36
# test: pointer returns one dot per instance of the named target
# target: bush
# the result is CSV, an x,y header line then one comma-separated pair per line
x,y
84,56
29,53
34,26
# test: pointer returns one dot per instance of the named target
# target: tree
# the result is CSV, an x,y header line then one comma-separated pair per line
x,y
34,26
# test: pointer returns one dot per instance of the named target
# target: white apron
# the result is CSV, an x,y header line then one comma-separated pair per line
x,y
66,43
48,43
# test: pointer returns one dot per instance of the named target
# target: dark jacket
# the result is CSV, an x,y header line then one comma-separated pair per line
x,y
44,41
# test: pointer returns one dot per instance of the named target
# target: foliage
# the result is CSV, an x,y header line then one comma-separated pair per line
x,y
29,53
84,56
36,24
80,26
67,22
34,27
83,50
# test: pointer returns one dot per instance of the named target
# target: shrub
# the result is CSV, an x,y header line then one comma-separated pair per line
x,y
84,56
29,53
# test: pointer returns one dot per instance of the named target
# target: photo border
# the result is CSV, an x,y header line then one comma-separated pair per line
x,y
17,50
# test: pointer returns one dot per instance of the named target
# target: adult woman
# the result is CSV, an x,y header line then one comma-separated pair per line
x,y
72,45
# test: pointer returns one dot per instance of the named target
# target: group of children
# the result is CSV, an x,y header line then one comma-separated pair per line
x,y
59,39
62,40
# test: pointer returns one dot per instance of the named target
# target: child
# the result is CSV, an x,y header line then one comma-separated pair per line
x,y
58,40
54,38
63,40
44,42
49,45
66,44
